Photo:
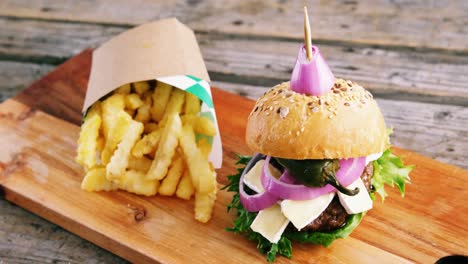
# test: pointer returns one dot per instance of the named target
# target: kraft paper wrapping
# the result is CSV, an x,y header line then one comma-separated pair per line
x,y
166,51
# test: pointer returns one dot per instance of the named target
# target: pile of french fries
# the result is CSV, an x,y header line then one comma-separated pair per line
x,y
148,138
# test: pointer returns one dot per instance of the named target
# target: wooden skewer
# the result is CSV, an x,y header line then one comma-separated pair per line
x,y
307,37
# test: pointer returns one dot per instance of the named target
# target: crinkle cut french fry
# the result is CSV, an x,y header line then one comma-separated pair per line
x,y
160,99
169,183
143,113
201,124
119,161
202,177
146,97
135,182
130,112
95,180
166,148
133,101
141,87
204,203
204,146
150,127
87,143
185,188
124,89
95,109
100,144
121,123
176,101
204,126
140,164
147,144
110,107
189,119
192,104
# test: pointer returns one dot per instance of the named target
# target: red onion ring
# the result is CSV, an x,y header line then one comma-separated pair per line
x,y
256,202
350,170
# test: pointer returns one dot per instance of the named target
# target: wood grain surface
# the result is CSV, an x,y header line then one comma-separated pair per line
x,y
392,23
394,74
438,131
423,227
411,54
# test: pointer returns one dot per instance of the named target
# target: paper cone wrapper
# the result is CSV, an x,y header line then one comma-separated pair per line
x,y
166,51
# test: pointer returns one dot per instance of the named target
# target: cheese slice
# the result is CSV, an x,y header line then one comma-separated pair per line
x,y
270,223
301,213
358,203
253,178
373,157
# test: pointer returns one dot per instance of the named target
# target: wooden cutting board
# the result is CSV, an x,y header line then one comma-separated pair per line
x,y
38,133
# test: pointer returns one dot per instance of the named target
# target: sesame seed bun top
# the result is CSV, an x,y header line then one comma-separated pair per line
x,y
346,122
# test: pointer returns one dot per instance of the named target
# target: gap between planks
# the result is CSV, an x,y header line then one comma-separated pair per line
x,y
400,75
437,132
437,25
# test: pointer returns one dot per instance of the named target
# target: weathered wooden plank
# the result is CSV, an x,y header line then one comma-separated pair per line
x,y
27,238
15,76
52,42
421,234
434,130
419,24
400,74
387,73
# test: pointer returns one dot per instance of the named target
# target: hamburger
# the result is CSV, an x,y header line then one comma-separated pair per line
x,y
318,163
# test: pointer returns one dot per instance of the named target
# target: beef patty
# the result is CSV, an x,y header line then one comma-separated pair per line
x,y
335,215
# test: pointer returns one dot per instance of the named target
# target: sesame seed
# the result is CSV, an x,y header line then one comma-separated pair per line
x,y
315,109
346,104
283,112
270,108
297,133
330,117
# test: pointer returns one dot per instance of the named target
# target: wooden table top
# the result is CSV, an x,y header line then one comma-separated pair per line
x,y
412,56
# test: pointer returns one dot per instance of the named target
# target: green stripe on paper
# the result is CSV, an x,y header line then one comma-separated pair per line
x,y
201,93
210,116
193,78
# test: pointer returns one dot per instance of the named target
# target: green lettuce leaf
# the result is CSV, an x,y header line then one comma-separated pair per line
x,y
244,219
389,169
